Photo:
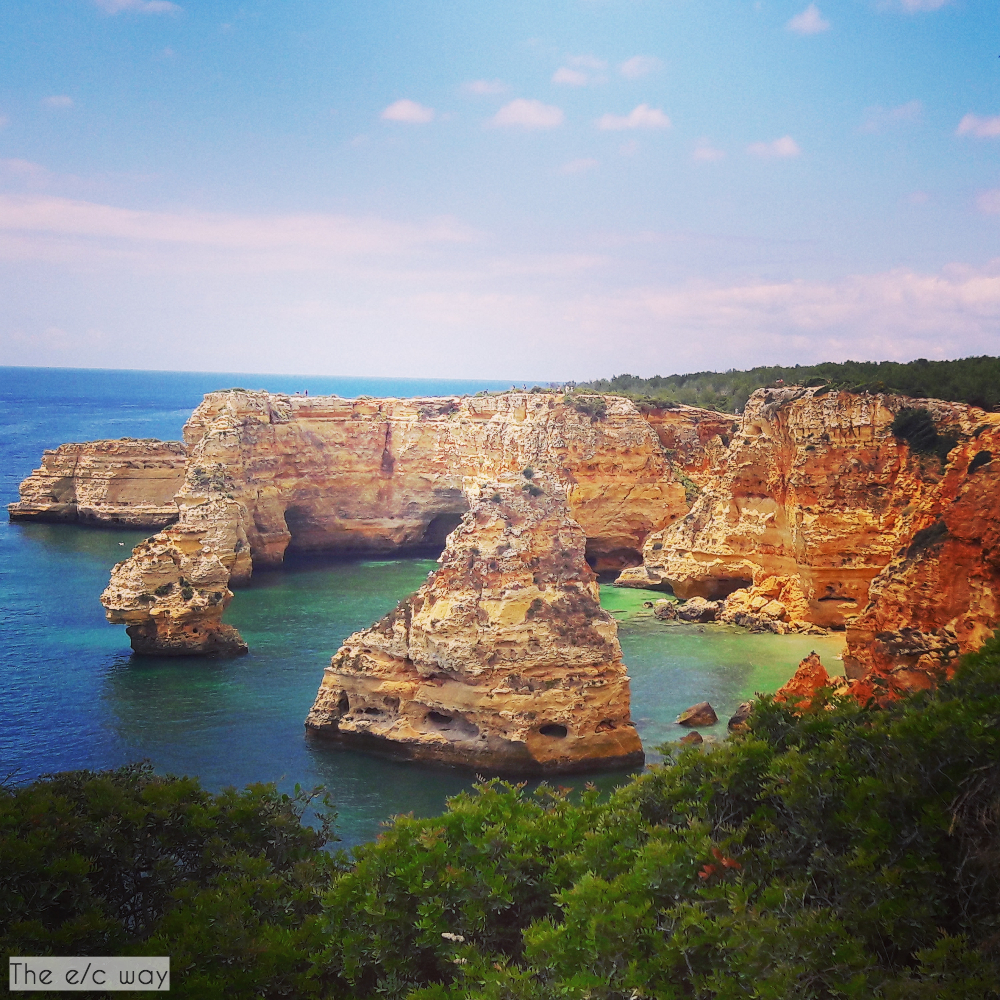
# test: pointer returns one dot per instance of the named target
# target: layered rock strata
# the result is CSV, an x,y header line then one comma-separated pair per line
x,y
270,475
940,594
503,660
125,482
809,506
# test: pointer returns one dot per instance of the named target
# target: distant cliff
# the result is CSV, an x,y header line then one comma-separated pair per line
x,y
270,474
128,481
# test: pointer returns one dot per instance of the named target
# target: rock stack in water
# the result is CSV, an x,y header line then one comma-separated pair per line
x,y
503,660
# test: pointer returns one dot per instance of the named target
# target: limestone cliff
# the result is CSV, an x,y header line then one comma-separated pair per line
x,y
694,439
129,481
810,504
503,660
271,474
940,594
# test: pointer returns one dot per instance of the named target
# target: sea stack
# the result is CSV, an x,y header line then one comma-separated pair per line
x,y
503,660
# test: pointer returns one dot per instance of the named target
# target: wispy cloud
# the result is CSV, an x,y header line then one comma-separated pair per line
x,y
642,116
580,166
639,66
485,87
137,6
878,119
781,148
809,22
573,77
62,219
408,111
980,128
705,152
58,101
528,114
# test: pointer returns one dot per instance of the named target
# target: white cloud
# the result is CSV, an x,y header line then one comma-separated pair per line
x,y
408,111
529,114
642,116
638,66
571,76
989,202
78,225
59,101
781,148
588,62
981,128
485,87
878,119
705,152
809,22
137,6
580,166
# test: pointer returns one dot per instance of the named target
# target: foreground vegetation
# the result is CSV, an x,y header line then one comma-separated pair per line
x,y
846,852
969,380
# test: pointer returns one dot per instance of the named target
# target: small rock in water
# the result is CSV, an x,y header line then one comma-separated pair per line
x,y
738,722
693,738
701,714
697,609
665,609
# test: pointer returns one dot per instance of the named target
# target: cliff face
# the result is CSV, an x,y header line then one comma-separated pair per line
x,y
129,481
940,594
503,660
694,439
811,502
270,474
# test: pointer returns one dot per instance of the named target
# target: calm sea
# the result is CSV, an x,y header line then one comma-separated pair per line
x,y
72,696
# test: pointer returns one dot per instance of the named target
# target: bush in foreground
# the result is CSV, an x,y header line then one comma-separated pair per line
x,y
846,852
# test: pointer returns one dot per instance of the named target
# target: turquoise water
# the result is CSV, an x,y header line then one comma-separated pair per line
x,y
71,695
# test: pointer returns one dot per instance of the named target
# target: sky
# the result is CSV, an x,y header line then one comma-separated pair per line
x,y
497,188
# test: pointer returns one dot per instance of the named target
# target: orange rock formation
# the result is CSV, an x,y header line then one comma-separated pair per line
x,y
270,474
129,481
503,660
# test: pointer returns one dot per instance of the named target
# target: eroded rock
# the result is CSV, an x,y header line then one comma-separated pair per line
x,y
503,661
125,482
701,714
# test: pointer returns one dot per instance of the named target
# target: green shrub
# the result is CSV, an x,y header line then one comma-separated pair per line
x,y
128,862
916,427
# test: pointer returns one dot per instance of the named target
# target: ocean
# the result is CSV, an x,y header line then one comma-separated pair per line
x,y
72,695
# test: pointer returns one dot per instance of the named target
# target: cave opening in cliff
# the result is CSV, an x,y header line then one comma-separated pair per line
x,y
437,531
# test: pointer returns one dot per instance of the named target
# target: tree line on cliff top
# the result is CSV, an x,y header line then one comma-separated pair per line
x,y
969,380
847,851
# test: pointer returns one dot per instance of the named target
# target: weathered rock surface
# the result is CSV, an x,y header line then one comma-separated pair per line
x,y
271,474
129,481
810,504
697,609
940,595
693,438
738,720
701,714
503,661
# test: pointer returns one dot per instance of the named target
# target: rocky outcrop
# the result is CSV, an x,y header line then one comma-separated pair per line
x,y
811,502
125,482
694,439
940,594
503,661
271,474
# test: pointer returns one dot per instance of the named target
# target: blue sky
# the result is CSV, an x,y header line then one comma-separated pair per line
x,y
567,189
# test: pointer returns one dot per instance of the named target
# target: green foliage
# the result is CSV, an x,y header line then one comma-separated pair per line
x,y
595,407
163,589
916,427
128,862
848,852
528,472
532,489
969,380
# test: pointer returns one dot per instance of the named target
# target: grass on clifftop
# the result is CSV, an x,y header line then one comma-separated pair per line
x,y
848,852
970,380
